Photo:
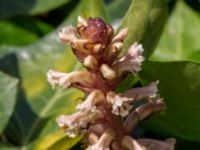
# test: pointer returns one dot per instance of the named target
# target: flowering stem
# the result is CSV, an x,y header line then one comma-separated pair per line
x,y
105,116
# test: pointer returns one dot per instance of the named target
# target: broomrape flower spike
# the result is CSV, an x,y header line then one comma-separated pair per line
x,y
106,117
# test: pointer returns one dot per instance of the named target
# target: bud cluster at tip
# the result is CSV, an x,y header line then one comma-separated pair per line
x,y
106,117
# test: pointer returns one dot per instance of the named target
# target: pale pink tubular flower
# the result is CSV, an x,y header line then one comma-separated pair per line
x,y
131,144
91,101
66,80
106,117
149,92
73,123
121,102
132,60
104,141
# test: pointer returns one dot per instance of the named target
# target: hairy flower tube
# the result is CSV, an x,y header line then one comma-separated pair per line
x,y
106,116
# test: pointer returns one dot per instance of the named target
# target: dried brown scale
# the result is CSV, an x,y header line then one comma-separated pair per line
x,y
106,117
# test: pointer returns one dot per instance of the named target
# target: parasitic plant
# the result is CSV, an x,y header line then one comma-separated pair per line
x,y
105,117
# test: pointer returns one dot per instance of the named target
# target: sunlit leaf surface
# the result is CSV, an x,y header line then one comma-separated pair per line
x,y
8,96
145,21
180,40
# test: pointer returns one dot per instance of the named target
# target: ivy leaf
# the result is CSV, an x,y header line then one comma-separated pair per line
x,y
179,81
8,96
179,86
38,105
180,40
145,21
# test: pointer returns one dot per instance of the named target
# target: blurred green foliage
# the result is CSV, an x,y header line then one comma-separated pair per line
x,y
29,47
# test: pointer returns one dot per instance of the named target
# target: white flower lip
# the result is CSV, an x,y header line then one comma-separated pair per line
x,y
55,77
73,123
68,124
92,99
120,105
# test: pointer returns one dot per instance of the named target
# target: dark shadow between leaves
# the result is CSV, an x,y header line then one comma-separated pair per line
x,y
10,8
180,144
18,130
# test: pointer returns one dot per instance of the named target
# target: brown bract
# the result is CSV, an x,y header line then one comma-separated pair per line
x,y
96,31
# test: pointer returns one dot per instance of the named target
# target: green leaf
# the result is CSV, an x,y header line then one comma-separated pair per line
x,y
94,9
9,8
179,81
179,86
10,34
180,40
22,31
37,104
5,146
58,141
8,96
118,8
145,20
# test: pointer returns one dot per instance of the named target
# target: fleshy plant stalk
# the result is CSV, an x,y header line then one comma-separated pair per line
x,y
105,117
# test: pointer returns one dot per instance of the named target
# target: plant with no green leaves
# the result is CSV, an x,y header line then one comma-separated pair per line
x,y
105,117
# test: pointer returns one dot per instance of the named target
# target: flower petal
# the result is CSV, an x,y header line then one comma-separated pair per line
x,y
67,35
142,112
104,141
107,72
131,61
73,123
120,105
93,98
90,62
150,91
67,79
131,144
120,36
151,144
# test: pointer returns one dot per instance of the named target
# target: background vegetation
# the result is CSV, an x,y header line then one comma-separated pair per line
x,y
29,47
